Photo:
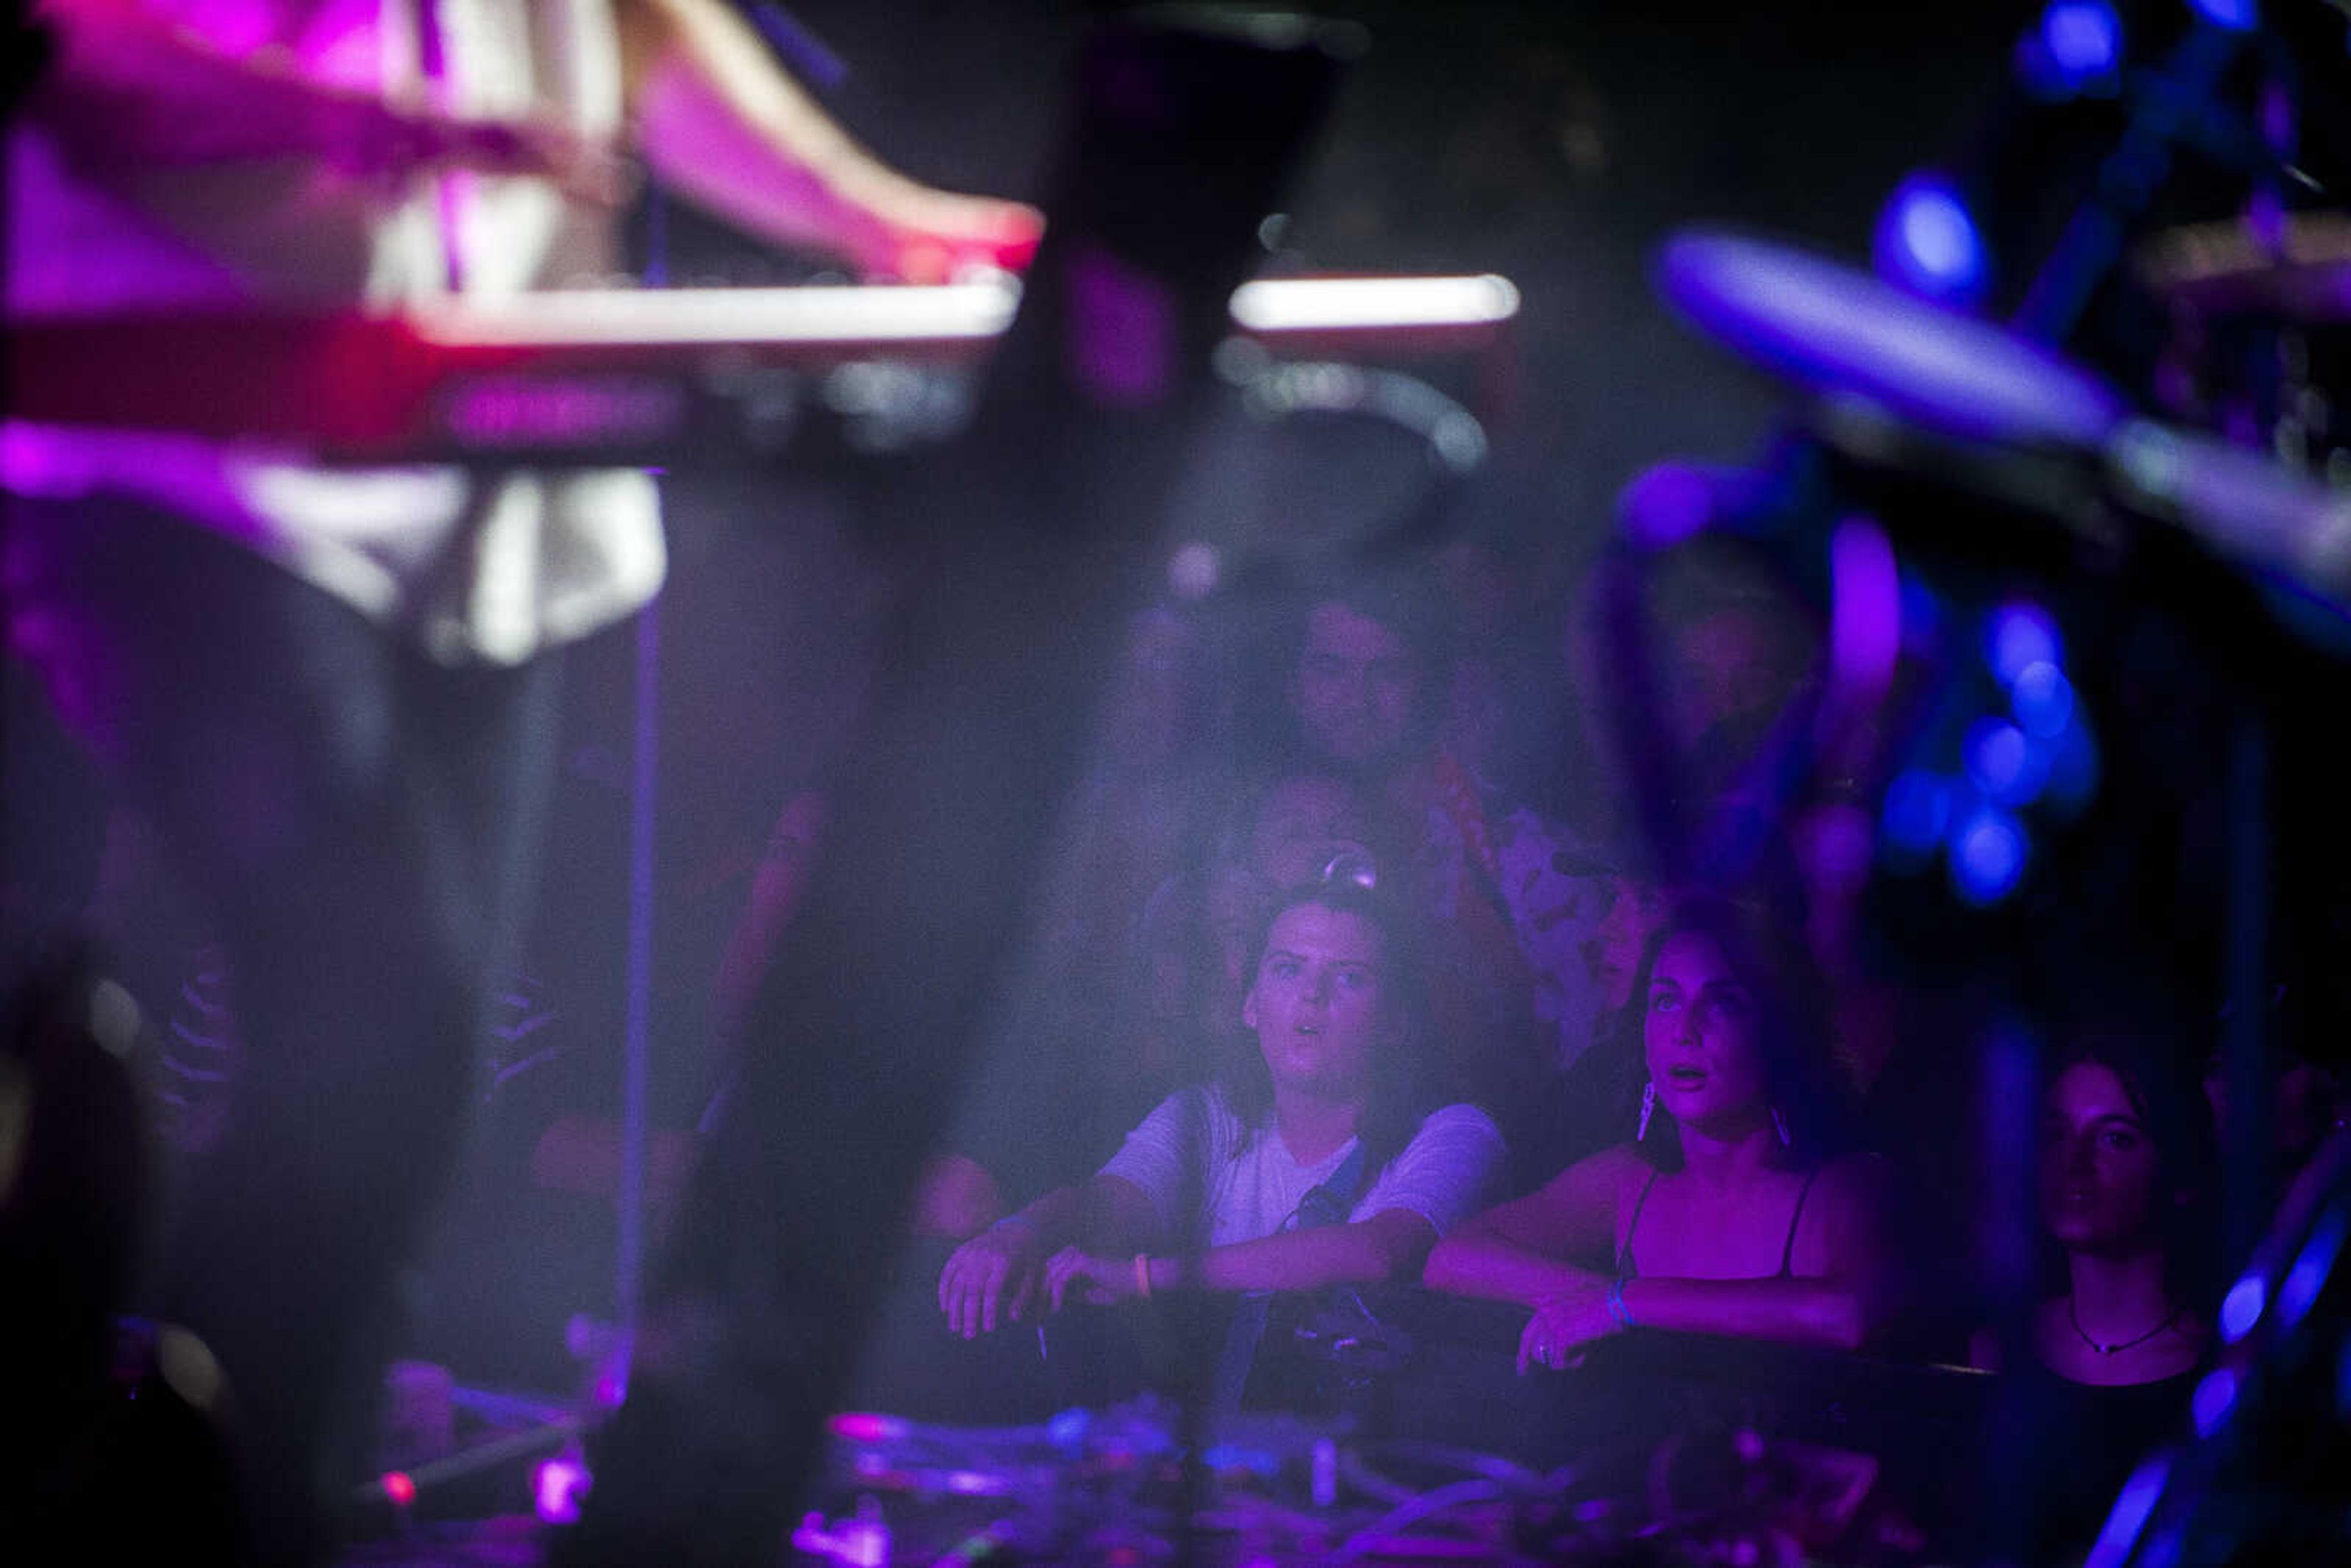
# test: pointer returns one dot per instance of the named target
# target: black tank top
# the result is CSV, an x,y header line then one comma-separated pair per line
x,y
1627,1268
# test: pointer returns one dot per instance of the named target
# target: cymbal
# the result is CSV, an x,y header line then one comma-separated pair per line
x,y
1833,328
2301,274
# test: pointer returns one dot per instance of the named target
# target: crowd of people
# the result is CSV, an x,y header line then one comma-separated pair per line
x,y
1401,1029
1352,969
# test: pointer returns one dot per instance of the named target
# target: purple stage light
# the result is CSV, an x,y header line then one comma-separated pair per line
x,y
1987,855
1667,503
2019,635
557,1487
1865,610
1927,241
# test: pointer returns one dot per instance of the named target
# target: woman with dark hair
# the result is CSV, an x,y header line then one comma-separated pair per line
x,y
1730,1213
2127,1166
2125,1173
1314,1158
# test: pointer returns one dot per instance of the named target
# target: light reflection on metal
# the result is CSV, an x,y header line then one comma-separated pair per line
x,y
1313,304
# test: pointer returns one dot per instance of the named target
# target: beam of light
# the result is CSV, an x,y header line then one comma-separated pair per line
x,y
1927,241
2139,1496
2308,1276
2241,1307
2213,1399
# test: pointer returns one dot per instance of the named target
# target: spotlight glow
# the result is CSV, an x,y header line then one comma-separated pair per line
x,y
2019,635
2043,700
2213,1399
2241,1307
2083,37
1987,855
1927,241
2003,763
557,1487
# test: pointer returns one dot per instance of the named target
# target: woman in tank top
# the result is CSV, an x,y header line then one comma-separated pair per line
x,y
1725,1215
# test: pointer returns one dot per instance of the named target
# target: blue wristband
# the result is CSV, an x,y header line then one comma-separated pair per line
x,y
1617,1310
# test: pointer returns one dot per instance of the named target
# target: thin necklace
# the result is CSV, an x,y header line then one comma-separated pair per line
x,y
2073,1316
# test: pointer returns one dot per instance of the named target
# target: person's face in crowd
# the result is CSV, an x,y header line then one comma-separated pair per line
x,y
1306,820
2098,1166
1355,687
1636,910
1318,1004
1725,665
1704,1050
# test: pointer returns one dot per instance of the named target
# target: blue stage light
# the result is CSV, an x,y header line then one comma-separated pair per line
x,y
2237,16
1927,242
1987,855
1918,810
2083,40
2213,1399
2240,1309
2019,635
2043,700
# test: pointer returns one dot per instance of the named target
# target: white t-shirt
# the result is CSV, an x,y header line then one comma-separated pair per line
x,y
488,566
1441,1174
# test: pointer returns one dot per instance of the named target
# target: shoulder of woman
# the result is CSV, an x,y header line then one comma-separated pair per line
x,y
1620,1170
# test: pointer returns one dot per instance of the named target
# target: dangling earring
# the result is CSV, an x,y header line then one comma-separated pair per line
x,y
1648,1108
1779,1126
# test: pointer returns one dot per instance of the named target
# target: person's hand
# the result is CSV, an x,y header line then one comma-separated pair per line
x,y
993,1274
1564,1320
1097,1282
898,231
393,144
